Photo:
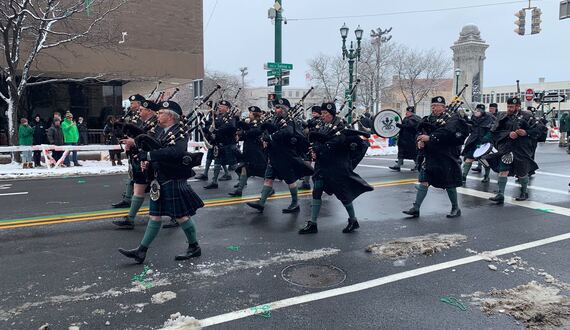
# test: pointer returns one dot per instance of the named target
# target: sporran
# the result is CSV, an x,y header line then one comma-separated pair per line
x,y
154,190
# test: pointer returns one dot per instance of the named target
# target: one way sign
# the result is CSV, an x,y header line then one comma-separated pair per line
x,y
554,98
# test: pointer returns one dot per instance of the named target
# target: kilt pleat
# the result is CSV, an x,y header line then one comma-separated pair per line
x,y
177,199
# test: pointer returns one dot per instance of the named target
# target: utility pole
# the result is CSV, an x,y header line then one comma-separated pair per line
x,y
278,34
378,38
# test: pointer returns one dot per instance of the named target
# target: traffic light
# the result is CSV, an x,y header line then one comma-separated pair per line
x,y
535,26
520,22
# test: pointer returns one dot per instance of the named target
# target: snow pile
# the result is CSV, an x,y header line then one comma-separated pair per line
x,y
537,306
384,151
181,322
410,246
162,297
90,167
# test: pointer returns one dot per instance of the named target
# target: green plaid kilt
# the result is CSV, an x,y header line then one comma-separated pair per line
x,y
177,200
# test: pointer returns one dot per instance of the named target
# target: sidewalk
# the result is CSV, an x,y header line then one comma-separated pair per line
x,y
90,167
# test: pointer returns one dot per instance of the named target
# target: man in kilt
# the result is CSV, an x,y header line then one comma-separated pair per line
x,y
480,127
286,145
136,101
514,133
176,198
407,148
224,142
311,125
441,136
253,159
331,148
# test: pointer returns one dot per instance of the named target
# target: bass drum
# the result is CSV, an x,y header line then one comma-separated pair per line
x,y
384,123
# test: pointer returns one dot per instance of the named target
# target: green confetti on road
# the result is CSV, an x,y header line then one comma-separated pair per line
x,y
234,248
141,278
263,311
453,302
81,181
545,210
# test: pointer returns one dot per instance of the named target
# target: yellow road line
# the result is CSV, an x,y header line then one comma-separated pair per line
x,y
215,203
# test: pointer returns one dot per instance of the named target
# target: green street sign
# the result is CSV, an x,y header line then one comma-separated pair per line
x,y
274,72
283,66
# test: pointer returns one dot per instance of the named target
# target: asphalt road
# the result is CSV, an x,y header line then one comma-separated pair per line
x,y
60,264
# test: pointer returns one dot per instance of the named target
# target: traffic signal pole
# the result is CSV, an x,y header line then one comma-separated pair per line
x,y
278,57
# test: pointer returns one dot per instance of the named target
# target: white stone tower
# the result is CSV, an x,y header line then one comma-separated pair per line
x,y
468,62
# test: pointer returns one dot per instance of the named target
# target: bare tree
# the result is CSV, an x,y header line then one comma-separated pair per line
x,y
30,28
329,74
417,73
374,70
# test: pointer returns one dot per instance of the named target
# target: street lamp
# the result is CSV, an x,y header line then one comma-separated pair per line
x,y
457,74
352,55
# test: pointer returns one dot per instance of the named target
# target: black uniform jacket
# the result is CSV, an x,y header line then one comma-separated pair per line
x,y
442,163
253,156
407,148
480,128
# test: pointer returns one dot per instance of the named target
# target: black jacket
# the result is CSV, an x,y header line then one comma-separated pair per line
x,y
407,148
40,136
55,135
253,156
480,133
83,133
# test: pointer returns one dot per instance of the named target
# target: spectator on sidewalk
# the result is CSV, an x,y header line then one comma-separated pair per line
x,y
55,137
26,138
83,131
70,138
40,137
112,134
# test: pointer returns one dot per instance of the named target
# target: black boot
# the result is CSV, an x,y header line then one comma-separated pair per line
x,y
272,192
486,179
121,204
498,198
310,228
139,254
211,186
305,186
236,193
352,226
192,252
454,213
522,197
226,177
124,223
395,168
256,206
172,224
202,177
413,212
292,208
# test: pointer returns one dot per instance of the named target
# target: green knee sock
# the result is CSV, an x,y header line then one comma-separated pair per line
x,y
189,230
487,171
294,197
307,180
136,203
452,194
350,210
264,194
400,162
217,169
524,184
420,196
207,168
315,209
502,184
128,191
466,168
242,181
150,233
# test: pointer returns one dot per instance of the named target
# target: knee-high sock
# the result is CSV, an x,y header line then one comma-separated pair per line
x,y
128,191
307,179
189,230
150,233
136,203
400,162
466,168
264,194
502,184
487,171
350,210
217,168
420,195
294,196
524,184
242,181
452,194
208,164
315,209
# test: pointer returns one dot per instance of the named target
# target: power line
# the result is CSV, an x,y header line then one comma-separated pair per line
x,y
407,12
211,14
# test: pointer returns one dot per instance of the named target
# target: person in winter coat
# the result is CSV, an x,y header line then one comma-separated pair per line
x,y
563,130
112,134
40,137
55,137
83,131
407,138
26,138
70,137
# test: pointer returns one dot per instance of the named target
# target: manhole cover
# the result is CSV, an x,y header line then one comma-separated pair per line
x,y
313,276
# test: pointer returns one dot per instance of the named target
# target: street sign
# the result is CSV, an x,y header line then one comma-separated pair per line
x,y
274,72
285,72
554,98
283,66
272,81
285,81
529,95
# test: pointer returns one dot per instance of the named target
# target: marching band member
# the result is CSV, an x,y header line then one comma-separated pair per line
x,y
480,126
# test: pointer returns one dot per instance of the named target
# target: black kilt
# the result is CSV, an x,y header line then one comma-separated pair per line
x,y
177,200
138,176
227,154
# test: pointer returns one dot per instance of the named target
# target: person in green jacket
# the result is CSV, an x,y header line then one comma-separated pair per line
x,y
26,138
70,137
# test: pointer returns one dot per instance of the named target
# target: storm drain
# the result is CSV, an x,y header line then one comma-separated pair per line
x,y
313,276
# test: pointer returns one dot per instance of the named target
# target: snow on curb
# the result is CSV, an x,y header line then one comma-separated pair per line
x,y
90,167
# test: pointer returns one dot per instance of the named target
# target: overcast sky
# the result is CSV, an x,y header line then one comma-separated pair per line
x,y
238,33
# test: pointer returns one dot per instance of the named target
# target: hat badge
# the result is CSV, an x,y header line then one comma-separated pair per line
x,y
439,99
165,104
145,104
329,106
280,101
132,98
